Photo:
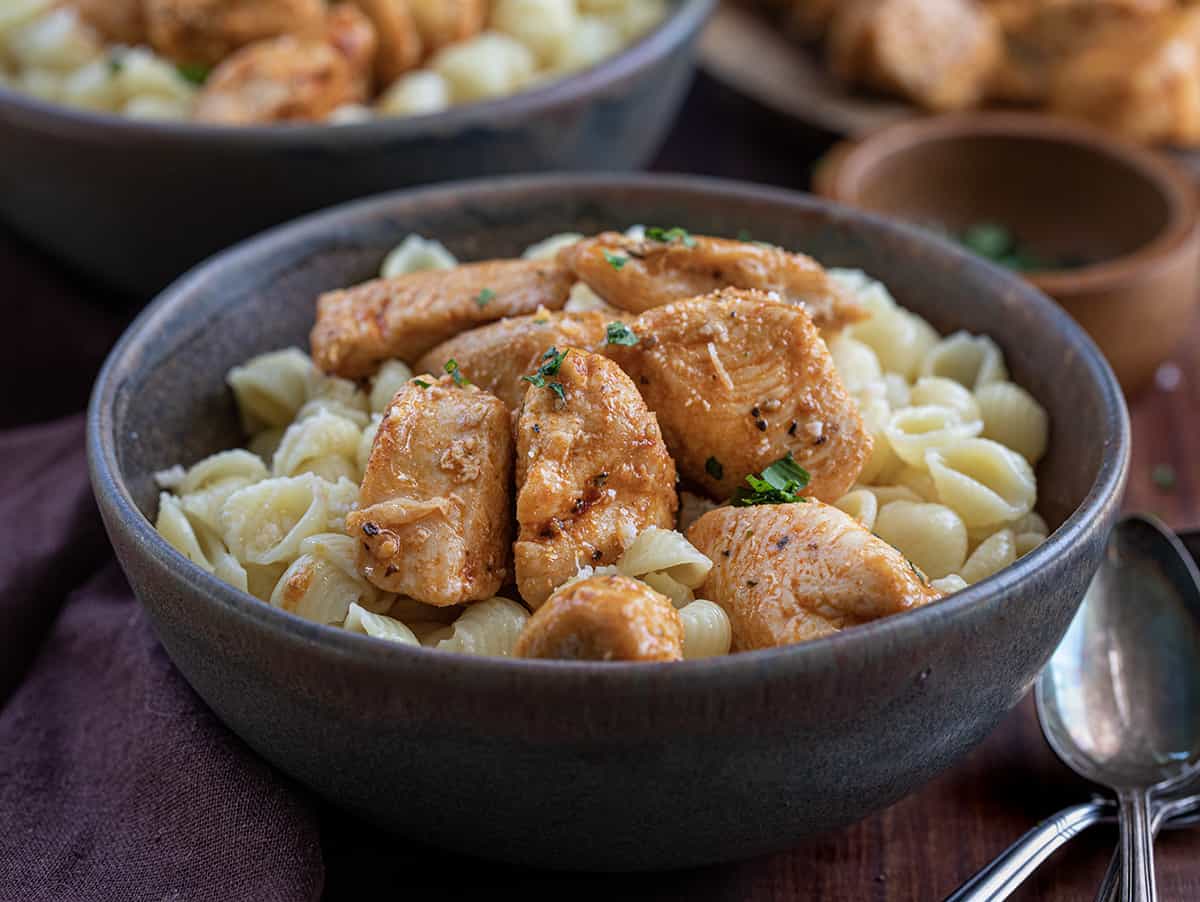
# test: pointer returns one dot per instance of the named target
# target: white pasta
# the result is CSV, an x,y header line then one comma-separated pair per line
x,y
489,65
582,299
983,481
391,377
971,360
591,40
897,391
707,632
265,523
261,579
141,73
856,364
40,83
886,494
862,505
914,431
317,589
919,481
932,536
150,107
1025,542
366,442
993,555
325,444
272,387
354,414
1012,417
173,525
93,87
418,93
16,13
208,485
416,254
658,550
1032,522
59,41
876,414
360,620
350,114
667,585
933,391
636,17
899,338
543,26
488,628
548,248
948,585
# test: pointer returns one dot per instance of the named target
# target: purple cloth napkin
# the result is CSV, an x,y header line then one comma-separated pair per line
x,y
116,782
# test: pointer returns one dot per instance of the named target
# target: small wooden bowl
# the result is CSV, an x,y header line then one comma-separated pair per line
x,y
1066,190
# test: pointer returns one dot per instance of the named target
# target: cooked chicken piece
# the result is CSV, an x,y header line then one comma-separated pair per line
x,y
738,381
592,472
405,316
937,53
400,45
434,509
497,356
443,22
352,35
285,79
117,21
205,32
640,274
785,573
604,618
1143,82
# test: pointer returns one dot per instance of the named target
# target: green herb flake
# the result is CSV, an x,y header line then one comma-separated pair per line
x,y
713,468
745,236
551,364
654,233
115,64
917,570
485,297
460,380
558,389
621,334
1163,476
616,261
780,483
420,383
194,72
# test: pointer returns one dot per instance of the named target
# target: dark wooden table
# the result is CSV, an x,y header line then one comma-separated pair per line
x,y
921,848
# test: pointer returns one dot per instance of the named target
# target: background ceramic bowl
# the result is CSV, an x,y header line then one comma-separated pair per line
x,y
587,765
1065,189
137,203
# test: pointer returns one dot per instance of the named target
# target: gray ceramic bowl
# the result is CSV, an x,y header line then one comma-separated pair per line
x,y
136,204
584,765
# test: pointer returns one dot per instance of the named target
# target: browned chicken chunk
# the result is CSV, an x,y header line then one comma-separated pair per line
x,y
205,32
352,35
938,53
443,22
400,45
592,471
497,356
434,509
117,21
405,316
286,79
1143,82
604,618
786,573
640,274
738,381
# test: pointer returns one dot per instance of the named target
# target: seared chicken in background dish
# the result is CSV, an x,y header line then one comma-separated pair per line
x,y
205,32
604,618
400,45
787,573
738,381
638,274
592,471
497,356
435,506
119,21
406,316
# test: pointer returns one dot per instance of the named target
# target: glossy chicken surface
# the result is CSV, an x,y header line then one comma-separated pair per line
x,y
406,316
400,45
640,274
787,573
443,22
592,472
434,510
737,381
496,356
204,32
940,53
118,21
604,618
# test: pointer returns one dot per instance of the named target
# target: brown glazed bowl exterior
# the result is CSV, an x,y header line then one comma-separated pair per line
x,y
1065,188
591,765
136,204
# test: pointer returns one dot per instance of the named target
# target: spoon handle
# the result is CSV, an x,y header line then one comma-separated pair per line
x,y
1137,847
1000,878
1164,811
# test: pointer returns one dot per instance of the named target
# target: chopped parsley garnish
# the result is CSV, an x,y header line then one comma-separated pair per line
x,y
780,483
668,235
194,72
621,334
421,383
917,570
1163,476
485,297
713,468
460,380
616,261
551,364
115,64
745,235
558,389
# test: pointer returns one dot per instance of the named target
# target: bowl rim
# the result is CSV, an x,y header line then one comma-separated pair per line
x,y
740,670
852,161
682,22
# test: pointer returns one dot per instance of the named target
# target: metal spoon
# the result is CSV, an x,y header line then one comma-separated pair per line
x,y
1119,701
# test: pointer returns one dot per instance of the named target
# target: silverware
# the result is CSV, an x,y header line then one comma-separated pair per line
x,y
1119,701
1171,812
